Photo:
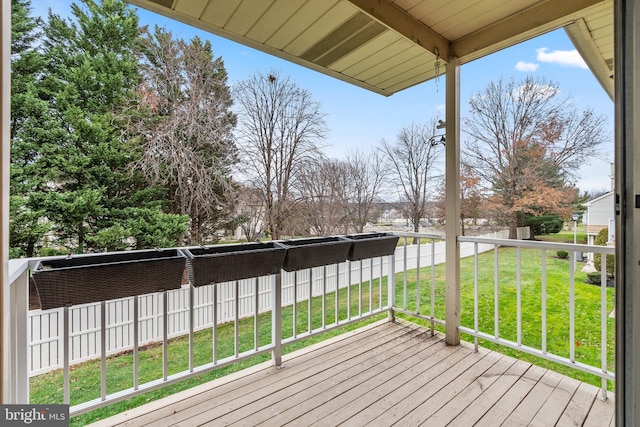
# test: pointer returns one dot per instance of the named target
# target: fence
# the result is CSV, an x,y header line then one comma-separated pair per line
x,y
45,327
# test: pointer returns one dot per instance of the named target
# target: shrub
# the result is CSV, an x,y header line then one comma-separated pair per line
x,y
562,254
544,224
601,240
15,253
594,278
52,251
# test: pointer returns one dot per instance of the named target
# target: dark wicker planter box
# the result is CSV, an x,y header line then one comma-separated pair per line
x,y
372,245
307,253
93,278
224,263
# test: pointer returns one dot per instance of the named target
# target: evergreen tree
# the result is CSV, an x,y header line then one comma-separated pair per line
x,y
29,126
91,71
79,169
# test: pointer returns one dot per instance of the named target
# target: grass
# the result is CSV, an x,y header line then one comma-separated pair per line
x,y
410,241
85,378
566,236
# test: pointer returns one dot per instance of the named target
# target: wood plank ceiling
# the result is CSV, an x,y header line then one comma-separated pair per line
x,y
389,45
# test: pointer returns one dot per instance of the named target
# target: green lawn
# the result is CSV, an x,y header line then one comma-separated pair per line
x,y
85,378
566,236
587,306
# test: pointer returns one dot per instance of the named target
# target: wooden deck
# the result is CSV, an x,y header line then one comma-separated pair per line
x,y
381,375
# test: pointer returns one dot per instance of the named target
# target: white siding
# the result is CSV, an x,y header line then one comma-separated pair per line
x,y
601,210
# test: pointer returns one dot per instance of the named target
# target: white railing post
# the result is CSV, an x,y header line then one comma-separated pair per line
x,y
191,326
60,338
276,320
19,345
391,285
65,356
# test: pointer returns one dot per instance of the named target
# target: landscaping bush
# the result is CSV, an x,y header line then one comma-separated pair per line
x,y
52,251
544,224
594,278
562,254
601,240
14,253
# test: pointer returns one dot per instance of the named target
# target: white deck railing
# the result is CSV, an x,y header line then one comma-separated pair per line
x,y
45,326
403,283
596,331
99,330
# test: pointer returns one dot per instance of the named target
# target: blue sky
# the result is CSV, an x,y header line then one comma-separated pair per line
x,y
358,119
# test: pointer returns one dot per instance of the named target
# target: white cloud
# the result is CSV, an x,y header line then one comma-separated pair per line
x,y
526,66
567,58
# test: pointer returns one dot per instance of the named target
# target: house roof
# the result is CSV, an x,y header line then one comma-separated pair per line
x,y
389,45
597,199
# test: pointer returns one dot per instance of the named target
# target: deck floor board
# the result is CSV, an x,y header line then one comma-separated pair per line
x,y
384,374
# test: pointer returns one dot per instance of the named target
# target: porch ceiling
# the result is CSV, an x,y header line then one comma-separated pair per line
x,y
390,45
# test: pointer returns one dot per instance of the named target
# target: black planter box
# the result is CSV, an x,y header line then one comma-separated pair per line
x,y
92,278
371,245
224,263
308,253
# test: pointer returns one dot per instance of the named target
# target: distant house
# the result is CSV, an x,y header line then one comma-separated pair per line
x,y
600,214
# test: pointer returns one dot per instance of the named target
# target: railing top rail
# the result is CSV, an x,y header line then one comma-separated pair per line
x,y
606,250
414,234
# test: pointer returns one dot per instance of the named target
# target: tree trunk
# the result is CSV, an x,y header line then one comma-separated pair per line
x,y
80,239
30,248
513,226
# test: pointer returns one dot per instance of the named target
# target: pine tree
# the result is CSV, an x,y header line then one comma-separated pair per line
x,y
29,125
80,170
91,70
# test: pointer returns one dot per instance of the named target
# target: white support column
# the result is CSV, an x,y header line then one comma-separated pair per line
x,y
5,116
627,176
452,192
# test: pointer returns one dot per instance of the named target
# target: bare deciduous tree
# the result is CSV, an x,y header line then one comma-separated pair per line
x,y
367,172
251,216
324,186
527,142
187,131
280,127
412,160
472,198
